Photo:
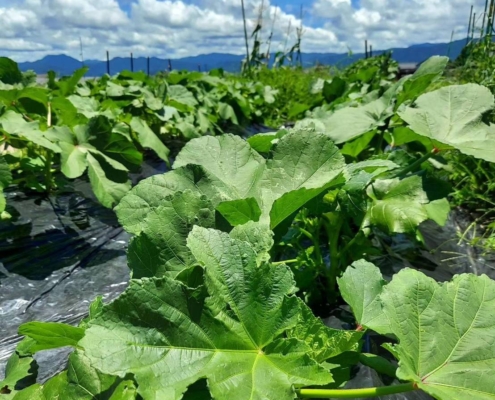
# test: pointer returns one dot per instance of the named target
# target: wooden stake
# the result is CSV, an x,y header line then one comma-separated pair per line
x,y
108,62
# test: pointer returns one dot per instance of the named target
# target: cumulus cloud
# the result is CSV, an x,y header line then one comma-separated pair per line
x,y
396,23
32,29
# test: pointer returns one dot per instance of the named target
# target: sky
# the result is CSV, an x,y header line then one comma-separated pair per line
x,y
31,29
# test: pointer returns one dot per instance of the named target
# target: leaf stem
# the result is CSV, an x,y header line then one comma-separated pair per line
x,y
403,172
355,393
294,260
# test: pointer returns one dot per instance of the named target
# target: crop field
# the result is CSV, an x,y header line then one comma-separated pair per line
x,y
284,190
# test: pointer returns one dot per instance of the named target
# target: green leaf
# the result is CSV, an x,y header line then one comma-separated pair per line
x,y
9,71
3,205
87,106
228,158
74,148
350,122
438,211
227,113
73,158
148,139
81,381
428,72
403,135
51,335
355,147
161,248
334,89
66,112
14,124
20,372
36,94
453,115
5,174
109,184
188,130
68,86
181,95
263,142
231,170
259,236
401,205
324,341
360,286
87,383
114,141
150,194
379,364
238,212
297,109
169,336
446,333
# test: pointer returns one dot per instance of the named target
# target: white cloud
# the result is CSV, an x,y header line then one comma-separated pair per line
x,y
31,29
396,23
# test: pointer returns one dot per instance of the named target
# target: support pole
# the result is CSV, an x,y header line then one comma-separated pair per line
x,y
469,25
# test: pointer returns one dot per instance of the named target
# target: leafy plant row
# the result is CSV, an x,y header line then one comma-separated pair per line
x,y
214,311
58,132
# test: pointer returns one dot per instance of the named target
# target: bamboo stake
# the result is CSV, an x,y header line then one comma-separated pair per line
x,y
490,19
484,19
469,25
473,28
271,34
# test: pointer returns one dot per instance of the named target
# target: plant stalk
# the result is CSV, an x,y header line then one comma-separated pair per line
x,y
355,393
403,172
292,261
49,155
248,63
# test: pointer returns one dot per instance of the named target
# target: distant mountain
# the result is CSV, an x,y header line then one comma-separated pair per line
x,y
65,65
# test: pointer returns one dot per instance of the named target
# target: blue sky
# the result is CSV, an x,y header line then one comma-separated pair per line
x,y
177,28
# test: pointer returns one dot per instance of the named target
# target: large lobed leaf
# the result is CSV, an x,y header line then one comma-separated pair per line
x,y
226,169
453,116
161,248
80,381
400,206
170,336
446,331
14,124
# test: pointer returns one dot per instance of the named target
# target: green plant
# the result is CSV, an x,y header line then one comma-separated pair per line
x,y
232,245
230,327
57,133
